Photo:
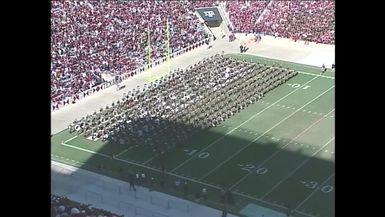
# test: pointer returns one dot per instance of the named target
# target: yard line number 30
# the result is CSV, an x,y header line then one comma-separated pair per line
x,y
313,185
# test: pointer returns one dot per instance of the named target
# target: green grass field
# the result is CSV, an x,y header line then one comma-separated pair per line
x,y
276,153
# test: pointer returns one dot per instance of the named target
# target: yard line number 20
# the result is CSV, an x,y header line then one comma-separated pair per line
x,y
249,167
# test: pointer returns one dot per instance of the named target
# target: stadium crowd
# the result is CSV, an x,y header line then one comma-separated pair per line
x,y
63,207
243,14
168,112
92,37
191,5
311,21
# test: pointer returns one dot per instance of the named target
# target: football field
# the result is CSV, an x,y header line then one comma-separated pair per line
x,y
276,153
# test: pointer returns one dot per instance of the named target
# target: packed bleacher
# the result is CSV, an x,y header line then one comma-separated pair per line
x,y
63,207
312,21
167,112
192,5
94,42
89,38
243,14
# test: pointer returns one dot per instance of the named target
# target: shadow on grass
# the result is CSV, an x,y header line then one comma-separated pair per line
x,y
168,149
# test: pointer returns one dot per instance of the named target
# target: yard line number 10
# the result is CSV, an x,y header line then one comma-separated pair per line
x,y
193,151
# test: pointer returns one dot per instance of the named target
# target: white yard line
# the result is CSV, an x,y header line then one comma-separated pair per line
x,y
297,168
86,150
323,76
72,138
179,176
152,158
315,190
220,138
124,151
269,59
272,155
246,146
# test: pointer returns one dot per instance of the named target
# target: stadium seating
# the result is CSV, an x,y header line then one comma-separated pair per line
x,y
63,207
311,21
191,5
95,40
244,15
89,38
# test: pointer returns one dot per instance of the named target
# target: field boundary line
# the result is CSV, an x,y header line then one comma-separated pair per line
x,y
220,138
86,150
72,138
323,76
269,59
305,214
181,177
248,145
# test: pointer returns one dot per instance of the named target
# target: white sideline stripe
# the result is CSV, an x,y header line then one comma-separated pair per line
x,y
302,213
63,161
186,178
323,76
169,173
287,117
72,138
315,190
86,150
220,138
287,62
297,168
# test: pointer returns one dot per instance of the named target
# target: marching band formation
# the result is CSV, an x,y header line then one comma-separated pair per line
x,y
167,112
